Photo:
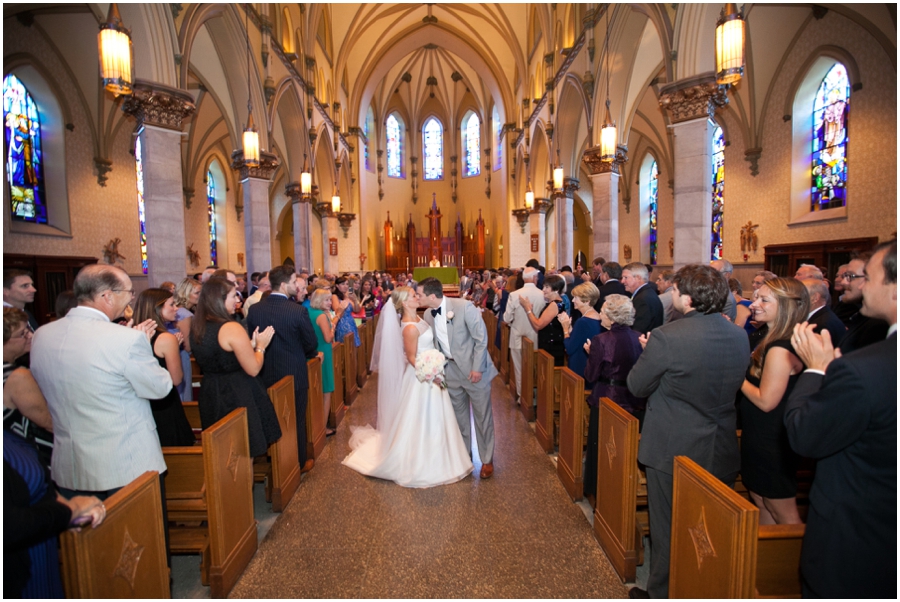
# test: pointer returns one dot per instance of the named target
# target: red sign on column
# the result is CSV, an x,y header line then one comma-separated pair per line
x,y
332,246
535,243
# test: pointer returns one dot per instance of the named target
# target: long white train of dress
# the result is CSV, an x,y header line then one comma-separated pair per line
x,y
423,446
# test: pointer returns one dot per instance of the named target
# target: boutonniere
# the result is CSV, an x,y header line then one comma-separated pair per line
x,y
449,315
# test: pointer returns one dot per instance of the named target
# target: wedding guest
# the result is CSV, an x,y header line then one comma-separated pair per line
x,y
343,298
186,294
172,425
744,313
168,285
584,296
65,301
323,323
548,327
768,464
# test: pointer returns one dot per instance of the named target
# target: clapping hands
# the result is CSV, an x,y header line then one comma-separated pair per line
x,y
262,339
815,350
148,327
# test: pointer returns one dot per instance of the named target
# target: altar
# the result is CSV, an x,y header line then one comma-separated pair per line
x,y
457,250
448,275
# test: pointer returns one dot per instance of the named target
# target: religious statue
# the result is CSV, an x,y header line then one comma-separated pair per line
x,y
435,262
749,240
627,252
672,247
362,261
193,256
111,251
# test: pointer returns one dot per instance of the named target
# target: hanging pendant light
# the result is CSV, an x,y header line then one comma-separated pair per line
x,y
305,179
558,173
251,135
729,45
608,135
116,55
529,196
336,198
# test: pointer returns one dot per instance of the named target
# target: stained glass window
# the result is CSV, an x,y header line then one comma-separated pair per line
x,y
139,172
829,148
473,145
498,129
653,195
394,147
367,128
24,157
433,143
718,190
211,213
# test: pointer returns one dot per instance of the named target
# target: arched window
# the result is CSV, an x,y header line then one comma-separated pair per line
x,y
24,155
829,140
498,129
139,173
472,144
368,130
394,135
653,198
718,189
433,143
211,214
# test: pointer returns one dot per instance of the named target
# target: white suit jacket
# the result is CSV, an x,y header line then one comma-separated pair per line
x,y
519,324
97,377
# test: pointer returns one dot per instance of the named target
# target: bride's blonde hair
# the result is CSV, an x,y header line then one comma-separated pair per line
x,y
399,297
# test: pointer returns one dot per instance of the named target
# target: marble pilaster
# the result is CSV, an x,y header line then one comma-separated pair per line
x,y
605,187
255,182
565,222
302,234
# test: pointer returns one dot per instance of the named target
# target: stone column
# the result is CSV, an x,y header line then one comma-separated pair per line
x,y
605,187
302,234
538,222
691,104
565,222
330,236
160,111
255,183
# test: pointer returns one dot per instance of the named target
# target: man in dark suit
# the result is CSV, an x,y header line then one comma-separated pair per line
x,y
691,370
293,344
843,412
597,270
648,309
610,273
861,329
820,314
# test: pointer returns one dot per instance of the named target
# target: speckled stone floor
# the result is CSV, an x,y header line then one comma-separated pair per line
x,y
516,535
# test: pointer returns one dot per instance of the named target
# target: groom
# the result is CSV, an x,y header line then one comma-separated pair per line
x,y
460,334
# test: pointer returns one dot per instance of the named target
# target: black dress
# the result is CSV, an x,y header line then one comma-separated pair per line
x,y
768,464
551,338
172,426
226,387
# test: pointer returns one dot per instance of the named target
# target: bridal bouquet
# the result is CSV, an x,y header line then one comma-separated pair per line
x,y
430,367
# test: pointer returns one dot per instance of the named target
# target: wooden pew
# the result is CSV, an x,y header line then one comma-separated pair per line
x,y
338,409
719,550
124,557
214,483
615,520
504,358
362,366
315,409
526,387
547,400
350,386
569,466
283,476
192,411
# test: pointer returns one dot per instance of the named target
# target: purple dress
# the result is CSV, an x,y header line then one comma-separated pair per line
x,y
613,354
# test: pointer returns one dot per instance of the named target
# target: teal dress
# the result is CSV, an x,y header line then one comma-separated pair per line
x,y
325,348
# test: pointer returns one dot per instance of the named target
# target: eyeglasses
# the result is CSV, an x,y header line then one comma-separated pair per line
x,y
130,291
851,276
26,333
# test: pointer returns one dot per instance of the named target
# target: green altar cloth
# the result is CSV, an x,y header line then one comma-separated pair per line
x,y
445,275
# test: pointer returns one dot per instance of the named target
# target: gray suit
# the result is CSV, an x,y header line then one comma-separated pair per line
x,y
97,377
691,370
468,340
520,326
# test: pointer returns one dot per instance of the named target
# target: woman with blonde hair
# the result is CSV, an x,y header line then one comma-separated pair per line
x,y
323,323
186,294
417,442
768,464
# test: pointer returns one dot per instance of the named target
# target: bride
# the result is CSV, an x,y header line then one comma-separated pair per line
x,y
417,442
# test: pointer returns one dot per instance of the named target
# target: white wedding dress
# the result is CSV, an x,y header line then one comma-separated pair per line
x,y
417,442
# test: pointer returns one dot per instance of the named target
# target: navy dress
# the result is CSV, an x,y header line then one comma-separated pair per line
x,y
32,518
583,330
226,387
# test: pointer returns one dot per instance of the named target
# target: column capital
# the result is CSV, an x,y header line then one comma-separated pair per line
x,y
693,98
268,162
521,216
596,165
570,185
158,105
542,205
293,191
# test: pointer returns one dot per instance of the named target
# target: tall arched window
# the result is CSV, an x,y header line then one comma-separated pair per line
x,y
368,130
394,136
433,143
718,190
211,214
139,173
498,129
24,157
471,127
653,198
829,140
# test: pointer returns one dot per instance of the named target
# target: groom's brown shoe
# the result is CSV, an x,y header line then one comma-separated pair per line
x,y
487,470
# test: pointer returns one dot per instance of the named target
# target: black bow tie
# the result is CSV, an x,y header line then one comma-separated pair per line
x,y
435,312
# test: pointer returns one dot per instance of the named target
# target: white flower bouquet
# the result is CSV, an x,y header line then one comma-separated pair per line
x,y
430,367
